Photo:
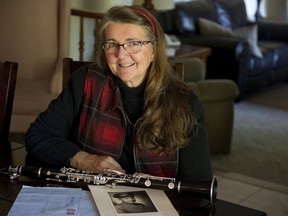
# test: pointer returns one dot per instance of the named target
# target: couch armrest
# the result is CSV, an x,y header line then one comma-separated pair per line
x,y
217,97
194,68
215,90
268,30
229,45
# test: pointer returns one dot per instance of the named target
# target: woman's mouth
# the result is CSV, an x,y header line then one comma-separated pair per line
x,y
126,65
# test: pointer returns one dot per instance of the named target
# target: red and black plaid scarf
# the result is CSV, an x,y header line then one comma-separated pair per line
x,y
102,126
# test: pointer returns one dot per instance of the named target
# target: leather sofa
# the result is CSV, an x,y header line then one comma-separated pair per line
x,y
232,56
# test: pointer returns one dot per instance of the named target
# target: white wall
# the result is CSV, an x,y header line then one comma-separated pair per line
x,y
268,8
251,8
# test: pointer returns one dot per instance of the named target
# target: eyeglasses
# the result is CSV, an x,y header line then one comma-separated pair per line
x,y
130,47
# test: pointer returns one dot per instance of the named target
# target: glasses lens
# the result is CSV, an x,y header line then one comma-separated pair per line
x,y
132,47
110,48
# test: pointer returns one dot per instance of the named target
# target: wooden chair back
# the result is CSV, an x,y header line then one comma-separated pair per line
x,y
179,70
69,65
8,75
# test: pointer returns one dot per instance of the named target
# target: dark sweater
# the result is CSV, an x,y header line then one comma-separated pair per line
x,y
50,138
133,101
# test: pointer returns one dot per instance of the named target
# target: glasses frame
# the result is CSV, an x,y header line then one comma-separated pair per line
x,y
105,46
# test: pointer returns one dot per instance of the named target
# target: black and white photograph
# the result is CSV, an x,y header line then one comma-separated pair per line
x,y
132,202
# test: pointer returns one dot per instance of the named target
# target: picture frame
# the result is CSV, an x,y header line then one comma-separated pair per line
x,y
131,201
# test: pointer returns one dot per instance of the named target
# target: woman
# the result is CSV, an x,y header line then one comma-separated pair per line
x,y
128,112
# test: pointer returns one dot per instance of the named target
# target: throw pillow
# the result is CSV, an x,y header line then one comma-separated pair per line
x,y
250,33
210,28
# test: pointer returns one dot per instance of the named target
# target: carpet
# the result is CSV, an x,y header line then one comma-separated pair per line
x,y
260,137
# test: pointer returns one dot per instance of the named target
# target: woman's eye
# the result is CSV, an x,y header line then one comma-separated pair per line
x,y
112,45
133,43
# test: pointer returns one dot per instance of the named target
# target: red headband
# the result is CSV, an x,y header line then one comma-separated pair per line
x,y
146,15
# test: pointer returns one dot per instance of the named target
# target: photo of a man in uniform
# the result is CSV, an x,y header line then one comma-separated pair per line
x,y
132,202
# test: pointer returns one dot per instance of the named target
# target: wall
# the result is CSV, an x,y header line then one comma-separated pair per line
x,y
268,8
276,8
251,8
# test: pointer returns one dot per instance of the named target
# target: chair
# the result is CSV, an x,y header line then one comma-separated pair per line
x,y
217,97
8,75
36,36
69,65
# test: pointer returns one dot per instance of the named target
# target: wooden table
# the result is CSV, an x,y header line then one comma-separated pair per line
x,y
189,51
187,204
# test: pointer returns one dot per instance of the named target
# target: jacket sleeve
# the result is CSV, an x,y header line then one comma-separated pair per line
x,y
49,140
194,159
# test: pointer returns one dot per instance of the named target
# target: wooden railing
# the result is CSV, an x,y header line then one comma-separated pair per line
x,y
84,14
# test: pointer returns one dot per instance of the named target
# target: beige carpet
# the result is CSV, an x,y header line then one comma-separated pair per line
x,y
260,138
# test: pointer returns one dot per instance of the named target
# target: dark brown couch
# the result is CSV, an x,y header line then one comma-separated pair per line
x,y
232,56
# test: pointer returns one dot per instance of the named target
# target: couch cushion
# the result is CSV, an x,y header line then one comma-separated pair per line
x,y
231,14
167,21
275,56
210,28
279,50
249,33
187,13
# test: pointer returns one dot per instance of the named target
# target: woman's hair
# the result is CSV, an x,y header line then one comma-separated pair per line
x,y
167,116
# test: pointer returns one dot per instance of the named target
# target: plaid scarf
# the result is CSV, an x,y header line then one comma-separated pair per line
x,y
102,126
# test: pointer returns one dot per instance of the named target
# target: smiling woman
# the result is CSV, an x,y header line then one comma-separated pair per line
x,y
130,112
128,63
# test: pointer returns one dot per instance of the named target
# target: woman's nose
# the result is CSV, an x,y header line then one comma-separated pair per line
x,y
121,52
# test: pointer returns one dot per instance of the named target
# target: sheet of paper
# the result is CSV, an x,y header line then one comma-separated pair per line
x,y
87,205
148,202
53,201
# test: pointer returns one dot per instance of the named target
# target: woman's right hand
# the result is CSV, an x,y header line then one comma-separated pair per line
x,y
96,163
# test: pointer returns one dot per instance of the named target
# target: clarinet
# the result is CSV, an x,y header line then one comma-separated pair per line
x,y
111,178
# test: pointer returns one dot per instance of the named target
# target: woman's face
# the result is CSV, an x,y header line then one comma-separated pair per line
x,y
130,68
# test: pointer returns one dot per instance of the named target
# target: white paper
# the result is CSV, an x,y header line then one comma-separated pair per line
x,y
87,205
107,204
53,201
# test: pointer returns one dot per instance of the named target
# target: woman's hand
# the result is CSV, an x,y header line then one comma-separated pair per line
x,y
99,164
